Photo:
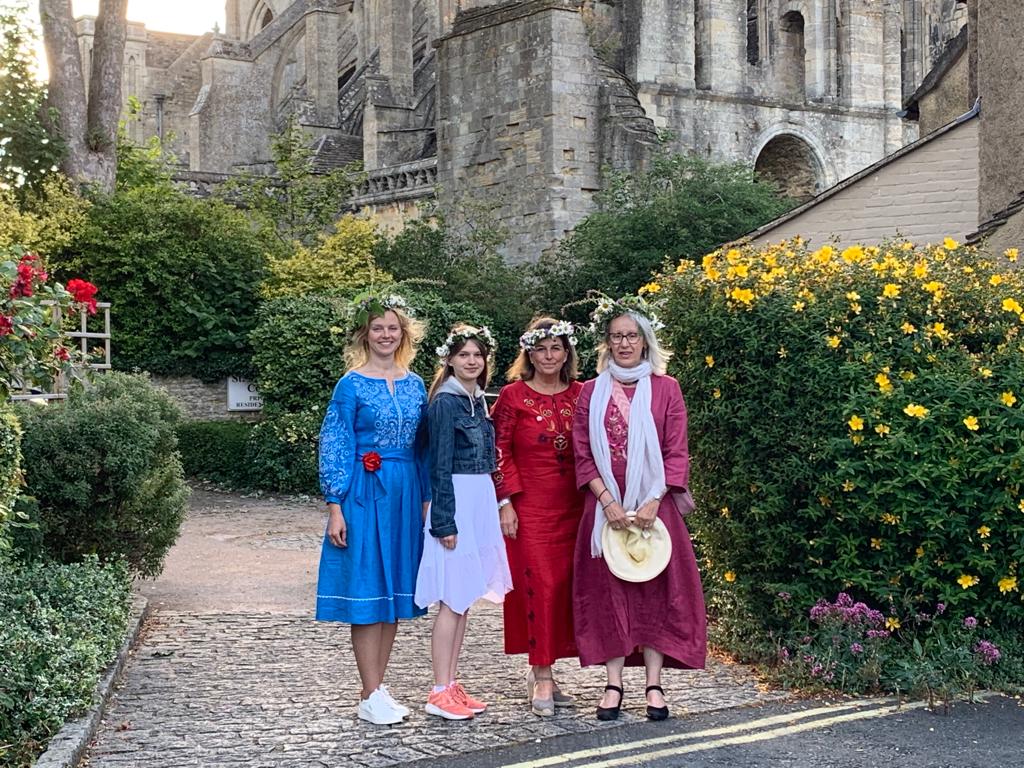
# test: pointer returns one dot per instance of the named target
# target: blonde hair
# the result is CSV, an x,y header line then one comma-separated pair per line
x,y
523,368
657,355
445,371
357,352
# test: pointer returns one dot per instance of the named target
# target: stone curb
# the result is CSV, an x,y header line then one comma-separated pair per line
x,y
69,744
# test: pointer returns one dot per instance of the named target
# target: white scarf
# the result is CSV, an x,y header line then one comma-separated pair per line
x,y
645,469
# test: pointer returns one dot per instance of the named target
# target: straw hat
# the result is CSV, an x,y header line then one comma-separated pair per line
x,y
635,555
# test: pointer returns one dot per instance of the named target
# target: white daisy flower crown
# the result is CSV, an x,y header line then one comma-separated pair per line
x,y
483,334
365,305
608,309
529,340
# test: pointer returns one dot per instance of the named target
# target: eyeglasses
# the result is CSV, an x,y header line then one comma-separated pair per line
x,y
630,338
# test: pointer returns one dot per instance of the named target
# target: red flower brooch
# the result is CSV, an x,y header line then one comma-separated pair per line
x,y
371,461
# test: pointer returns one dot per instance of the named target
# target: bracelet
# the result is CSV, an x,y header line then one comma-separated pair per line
x,y
602,493
605,506
504,501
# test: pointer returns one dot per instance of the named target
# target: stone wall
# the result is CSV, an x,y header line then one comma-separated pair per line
x,y
949,99
201,401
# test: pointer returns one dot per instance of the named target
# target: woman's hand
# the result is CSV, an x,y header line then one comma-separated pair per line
x,y
509,520
426,510
337,531
616,516
448,542
647,514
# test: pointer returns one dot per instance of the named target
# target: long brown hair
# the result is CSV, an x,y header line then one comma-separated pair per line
x,y
445,371
357,352
523,368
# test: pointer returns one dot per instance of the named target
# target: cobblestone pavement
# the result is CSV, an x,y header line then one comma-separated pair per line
x,y
247,678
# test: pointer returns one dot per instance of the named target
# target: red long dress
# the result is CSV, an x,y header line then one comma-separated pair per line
x,y
537,471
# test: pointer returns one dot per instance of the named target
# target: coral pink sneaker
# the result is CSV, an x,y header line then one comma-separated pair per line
x,y
445,704
459,694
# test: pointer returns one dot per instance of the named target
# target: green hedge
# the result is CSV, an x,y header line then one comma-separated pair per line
x,y
105,471
60,626
855,425
10,467
216,451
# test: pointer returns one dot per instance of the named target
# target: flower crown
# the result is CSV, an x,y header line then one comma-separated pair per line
x,y
529,340
366,305
608,309
482,334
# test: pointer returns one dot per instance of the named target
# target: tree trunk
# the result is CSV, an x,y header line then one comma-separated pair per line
x,y
87,121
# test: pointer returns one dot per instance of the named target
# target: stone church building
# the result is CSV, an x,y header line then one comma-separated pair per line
x,y
521,103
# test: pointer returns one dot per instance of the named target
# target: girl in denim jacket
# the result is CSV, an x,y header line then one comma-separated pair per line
x,y
464,553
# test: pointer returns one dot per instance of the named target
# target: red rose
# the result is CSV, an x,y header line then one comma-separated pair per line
x,y
61,353
6,325
371,461
83,292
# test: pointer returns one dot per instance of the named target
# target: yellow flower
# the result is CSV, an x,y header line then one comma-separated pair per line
x,y
856,439
742,295
733,255
950,244
892,623
740,270
883,383
1008,584
889,518
649,288
908,375
984,531
782,352
1008,399
919,551
908,328
967,581
684,265
824,254
856,423
939,329
1011,305
934,286
971,422
849,485
1020,506
876,543
717,393
891,291
853,254
995,280
852,296
920,270
724,512
855,308
833,341
918,411
882,429
729,576
709,361
907,246
985,373
799,306
1011,254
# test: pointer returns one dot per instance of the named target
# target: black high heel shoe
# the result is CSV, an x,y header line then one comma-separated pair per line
x,y
656,713
611,713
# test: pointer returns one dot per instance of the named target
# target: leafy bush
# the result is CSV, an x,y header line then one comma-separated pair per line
x,y
282,451
106,473
854,426
216,451
680,208
60,625
342,261
182,275
10,468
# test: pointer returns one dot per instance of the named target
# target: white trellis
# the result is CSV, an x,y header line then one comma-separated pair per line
x,y
94,346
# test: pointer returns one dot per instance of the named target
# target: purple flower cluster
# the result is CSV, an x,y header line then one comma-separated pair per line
x,y
784,596
970,622
846,611
856,648
989,652
878,634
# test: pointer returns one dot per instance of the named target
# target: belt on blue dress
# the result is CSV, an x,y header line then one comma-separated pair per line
x,y
389,454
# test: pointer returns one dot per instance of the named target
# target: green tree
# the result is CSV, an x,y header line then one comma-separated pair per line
x,y
27,150
681,208
296,204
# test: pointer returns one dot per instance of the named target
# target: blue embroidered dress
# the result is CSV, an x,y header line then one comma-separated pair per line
x,y
373,579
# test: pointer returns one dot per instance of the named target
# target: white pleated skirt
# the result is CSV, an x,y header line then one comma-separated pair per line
x,y
478,566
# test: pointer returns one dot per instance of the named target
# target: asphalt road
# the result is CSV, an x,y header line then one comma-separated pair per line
x,y
808,734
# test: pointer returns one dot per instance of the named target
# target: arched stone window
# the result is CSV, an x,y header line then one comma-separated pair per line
x,y
792,165
132,80
753,33
791,64
262,14
267,18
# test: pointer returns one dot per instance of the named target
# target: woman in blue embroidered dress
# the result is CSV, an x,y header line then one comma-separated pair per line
x,y
374,479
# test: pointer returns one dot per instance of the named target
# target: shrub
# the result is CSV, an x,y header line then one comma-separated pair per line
x,y
106,473
340,262
10,468
216,451
282,451
854,426
182,275
60,626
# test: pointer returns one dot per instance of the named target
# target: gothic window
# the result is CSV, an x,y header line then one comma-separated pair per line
x,y
753,34
133,77
267,18
701,46
791,69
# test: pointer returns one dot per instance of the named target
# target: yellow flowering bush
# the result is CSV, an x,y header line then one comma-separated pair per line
x,y
861,423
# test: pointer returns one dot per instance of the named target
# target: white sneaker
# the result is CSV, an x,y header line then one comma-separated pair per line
x,y
378,711
399,708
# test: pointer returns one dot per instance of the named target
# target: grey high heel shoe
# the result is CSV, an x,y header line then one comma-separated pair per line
x,y
539,707
563,699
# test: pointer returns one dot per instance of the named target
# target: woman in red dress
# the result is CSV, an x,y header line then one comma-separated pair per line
x,y
540,506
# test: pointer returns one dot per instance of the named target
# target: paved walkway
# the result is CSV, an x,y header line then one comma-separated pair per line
x,y
232,671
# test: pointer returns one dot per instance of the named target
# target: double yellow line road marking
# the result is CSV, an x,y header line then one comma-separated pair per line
x,y
749,732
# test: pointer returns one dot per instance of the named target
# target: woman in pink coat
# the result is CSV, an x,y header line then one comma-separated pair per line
x,y
629,437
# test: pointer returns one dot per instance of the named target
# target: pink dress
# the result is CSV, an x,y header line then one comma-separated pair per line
x,y
613,617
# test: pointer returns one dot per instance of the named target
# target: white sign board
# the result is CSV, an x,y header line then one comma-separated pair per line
x,y
243,395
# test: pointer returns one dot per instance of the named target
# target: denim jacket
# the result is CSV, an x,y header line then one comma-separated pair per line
x,y
461,443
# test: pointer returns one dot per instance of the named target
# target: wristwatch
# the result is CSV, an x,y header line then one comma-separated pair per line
x,y
504,501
